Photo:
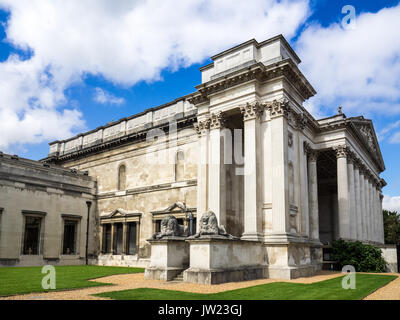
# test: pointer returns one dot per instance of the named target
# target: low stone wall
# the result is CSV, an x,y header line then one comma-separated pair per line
x,y
121,260
389,253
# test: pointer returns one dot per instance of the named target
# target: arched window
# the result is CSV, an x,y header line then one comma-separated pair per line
x,y
121,177
180,166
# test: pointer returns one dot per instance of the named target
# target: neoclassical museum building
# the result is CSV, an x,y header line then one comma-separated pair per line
x,y
282,183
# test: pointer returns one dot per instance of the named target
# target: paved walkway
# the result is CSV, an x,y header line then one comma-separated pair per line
x,y
133,281
389,292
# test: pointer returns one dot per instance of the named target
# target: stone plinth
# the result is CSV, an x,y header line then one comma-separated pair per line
x,y
292,260
216,259
169,257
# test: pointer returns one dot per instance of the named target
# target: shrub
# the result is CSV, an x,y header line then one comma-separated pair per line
x,y
363,257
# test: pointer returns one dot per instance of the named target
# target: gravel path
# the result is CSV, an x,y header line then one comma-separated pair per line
x,y
389,292
133,281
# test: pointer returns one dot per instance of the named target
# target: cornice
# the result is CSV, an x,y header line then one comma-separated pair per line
x,y
118,142
259,72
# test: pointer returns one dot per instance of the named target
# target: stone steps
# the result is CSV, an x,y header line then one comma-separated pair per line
x,y
178,278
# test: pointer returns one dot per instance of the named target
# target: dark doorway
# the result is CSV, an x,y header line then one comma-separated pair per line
x,y
118,240
70,228
32,235
131,241
107,238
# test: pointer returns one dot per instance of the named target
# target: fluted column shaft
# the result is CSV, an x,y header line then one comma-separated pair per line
x,y
357,198
343,192
313,194
352,209
252,192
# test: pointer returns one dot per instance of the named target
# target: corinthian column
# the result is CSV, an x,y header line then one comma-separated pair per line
x,y
252,193
357,201
202,129
363,219
313,194
343,192
352,203
367,207
217,169
279,111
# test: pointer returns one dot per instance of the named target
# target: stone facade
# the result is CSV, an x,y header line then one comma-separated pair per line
x,y
282,183
52,196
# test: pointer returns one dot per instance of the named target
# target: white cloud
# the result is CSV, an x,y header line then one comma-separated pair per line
x,y
358,68
104,97
395,138
391,203
387,130
124,42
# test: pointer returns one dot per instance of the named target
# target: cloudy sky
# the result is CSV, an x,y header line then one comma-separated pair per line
x,y
70,66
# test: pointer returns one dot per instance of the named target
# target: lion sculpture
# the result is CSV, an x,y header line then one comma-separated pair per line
x,y
209,227
170,227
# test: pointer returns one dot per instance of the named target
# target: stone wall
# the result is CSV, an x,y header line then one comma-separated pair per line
x,y
52,193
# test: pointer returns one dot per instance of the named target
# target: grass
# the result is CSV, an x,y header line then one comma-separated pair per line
x,y
324,290
20,280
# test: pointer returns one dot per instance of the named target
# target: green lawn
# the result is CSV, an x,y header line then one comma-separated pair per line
x,y
16,280
324,290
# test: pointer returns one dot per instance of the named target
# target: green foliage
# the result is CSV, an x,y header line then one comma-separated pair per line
x,y
363,257
391,222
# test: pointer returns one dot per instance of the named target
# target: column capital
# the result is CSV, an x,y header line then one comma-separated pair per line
x,y
341,151
279,108
252,110
202,126
312,154
217,120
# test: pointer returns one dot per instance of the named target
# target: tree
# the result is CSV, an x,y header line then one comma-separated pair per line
x,y
391,222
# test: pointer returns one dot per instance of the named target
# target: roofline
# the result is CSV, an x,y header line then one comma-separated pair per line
x,y
258,45
136,115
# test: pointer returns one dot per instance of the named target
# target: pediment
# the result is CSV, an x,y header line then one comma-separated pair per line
x,y
177,207
366,133
120,213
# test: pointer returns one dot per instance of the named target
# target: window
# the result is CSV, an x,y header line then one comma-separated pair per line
x,y
122,178
107,238
32,235
70,234
180,166
118,238
131,241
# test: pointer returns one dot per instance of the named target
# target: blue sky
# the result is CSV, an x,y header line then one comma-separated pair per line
x,y
69,67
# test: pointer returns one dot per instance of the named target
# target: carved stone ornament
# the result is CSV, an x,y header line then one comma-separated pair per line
x,y
312,154
217,120
202,126
279,108
209,227
251,110
368,136
341,151
301,121
290,139
170,228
